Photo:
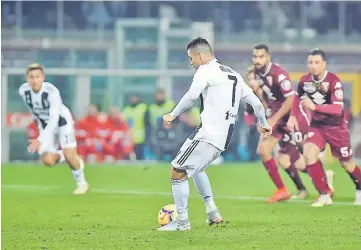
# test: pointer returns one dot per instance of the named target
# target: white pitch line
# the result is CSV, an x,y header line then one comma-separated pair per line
x,y
150,193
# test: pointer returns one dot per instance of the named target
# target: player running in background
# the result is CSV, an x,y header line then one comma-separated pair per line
x,y
290,151
55,123
220,89
321,92
275,82
291,148
289,157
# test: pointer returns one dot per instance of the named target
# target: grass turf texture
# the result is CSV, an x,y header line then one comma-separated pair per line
x,y
120,211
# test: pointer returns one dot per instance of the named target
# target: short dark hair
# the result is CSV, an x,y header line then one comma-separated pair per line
x,y
198,41
261,46
34,66
317,52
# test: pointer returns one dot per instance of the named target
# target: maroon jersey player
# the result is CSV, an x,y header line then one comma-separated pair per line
x,y
321,92
289,156
276,84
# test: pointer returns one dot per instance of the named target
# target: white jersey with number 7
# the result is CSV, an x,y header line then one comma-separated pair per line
x,y
221,89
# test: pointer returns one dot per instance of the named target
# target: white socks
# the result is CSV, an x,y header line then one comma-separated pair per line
x,y
203,186
79,175
180,189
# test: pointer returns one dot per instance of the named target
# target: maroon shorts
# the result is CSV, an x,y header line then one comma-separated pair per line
x,y
291,150
337,137
291,144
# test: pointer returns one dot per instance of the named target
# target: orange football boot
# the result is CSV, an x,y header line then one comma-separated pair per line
x,y
281,194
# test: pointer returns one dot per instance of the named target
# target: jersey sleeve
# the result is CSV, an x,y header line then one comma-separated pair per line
x,y
54,113
296,98
258,108
285,83
246,90
199,83
22,91
336,92
300,90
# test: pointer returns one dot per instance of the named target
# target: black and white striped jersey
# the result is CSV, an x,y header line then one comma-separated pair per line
x,y
46,107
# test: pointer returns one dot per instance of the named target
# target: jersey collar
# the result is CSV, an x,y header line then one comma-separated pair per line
x,y
267,69
322,79
213,60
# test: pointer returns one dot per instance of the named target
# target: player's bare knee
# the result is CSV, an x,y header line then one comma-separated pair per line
x,y
49,159
348,165
284,161
310,153
70,153
178,174
310,158
264,152
300,164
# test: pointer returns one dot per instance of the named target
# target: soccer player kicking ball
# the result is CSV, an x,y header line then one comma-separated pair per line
x,y
321,92
56,125
220,89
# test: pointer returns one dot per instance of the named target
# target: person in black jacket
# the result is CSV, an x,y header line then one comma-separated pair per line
x,y
167,139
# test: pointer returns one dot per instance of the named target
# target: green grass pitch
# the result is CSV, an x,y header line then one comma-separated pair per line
x,y
120,211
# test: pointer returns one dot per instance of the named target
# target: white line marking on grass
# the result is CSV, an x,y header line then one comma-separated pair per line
x,y
150,193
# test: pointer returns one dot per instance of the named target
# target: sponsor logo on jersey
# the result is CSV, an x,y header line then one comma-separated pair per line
x,y
318,98
230,115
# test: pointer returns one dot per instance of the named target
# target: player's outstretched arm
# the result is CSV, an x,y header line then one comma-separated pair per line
x,y
259,111
330,109
185,103
285,108
188,99
198,85
292,123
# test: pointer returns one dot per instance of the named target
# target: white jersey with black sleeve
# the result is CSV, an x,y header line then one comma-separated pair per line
x,y
220,89
55,121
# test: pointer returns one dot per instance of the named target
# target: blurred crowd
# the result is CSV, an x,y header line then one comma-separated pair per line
x,y
323,16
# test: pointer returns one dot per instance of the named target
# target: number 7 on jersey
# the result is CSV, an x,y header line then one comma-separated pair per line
x,y
235,81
